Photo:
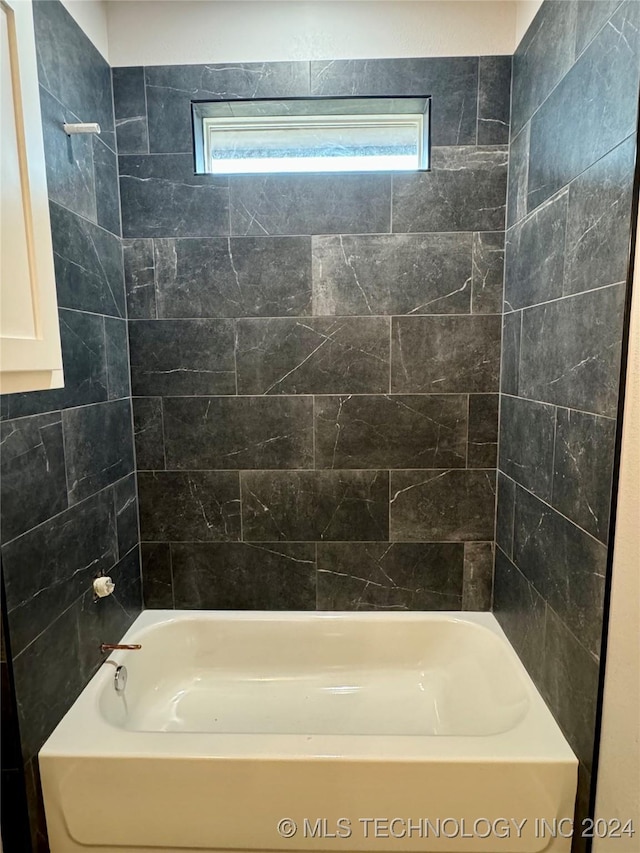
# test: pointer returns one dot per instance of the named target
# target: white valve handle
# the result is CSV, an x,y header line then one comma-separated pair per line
x,y
103,586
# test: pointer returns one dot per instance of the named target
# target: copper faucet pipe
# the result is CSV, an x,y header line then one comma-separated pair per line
x,y
113,647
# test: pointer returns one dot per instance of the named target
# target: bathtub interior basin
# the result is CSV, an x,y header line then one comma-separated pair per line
x,y
319,676
232,722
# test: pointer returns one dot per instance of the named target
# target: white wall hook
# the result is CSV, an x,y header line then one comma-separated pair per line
x,y
81,127
103,586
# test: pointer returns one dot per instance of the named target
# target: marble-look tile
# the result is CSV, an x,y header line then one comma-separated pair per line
x,y
427,431
106,619
582,807
37,820
598,225
564,564
570,351
510,370
464,191
482,448
161,197
543,57
591,110
309,204
157,580
84,362
392,274
45,685
487,272
313,356
88,264
98,444
440,506
126,506
518,183
33,485
591,17
117,354
181,357
139,279
233,277
105,165
445,354
535,255
477,584
130,108
570,686
238,432
583,469
521,611
505,513
494,96
68,159
63,555
71,68
527,432
315,505
452,83
195,506
388,576
172,88
148,433
242,576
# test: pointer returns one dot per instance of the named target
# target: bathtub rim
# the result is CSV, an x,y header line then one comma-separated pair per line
x,y
84,731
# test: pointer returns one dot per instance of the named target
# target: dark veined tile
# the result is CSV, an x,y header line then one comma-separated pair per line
x,y
494,97
148,433
157,580
477,584
527,432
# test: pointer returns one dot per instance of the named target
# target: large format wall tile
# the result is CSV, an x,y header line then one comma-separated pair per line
x,y
571,131
233,277
71,68
445,354
161,197
139,279
244,576
88,265
49,567
313,356
309,204
157,579
377,431
392,274
171,88
487,276
464,191
527,431
452,83
315,505
535,253
482,439
477,582
148,433
33,484
93,463
570,351
570,686
105,167
380,575
505,514
117,355
182,357
564,564
521,612
494,89
583,469
510,368
238,432
598,225
196,506
130,109
443,506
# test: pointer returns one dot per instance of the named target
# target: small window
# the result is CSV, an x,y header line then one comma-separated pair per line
x,y
312,135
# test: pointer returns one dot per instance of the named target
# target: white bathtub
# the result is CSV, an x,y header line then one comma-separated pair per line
x,y
366,731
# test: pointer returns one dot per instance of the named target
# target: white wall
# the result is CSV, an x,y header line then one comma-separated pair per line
x,y
525,13
618,791
91,16
148,32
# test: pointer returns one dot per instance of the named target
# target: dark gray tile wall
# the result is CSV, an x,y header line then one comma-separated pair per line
x,y
315,359
572,155
68,491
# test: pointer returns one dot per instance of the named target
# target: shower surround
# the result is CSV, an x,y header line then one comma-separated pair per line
x,y
315,359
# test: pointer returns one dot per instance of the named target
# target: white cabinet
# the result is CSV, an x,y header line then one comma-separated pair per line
x,y
30,356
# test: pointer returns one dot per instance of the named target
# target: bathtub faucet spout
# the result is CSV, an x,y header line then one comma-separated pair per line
x,y
112,647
